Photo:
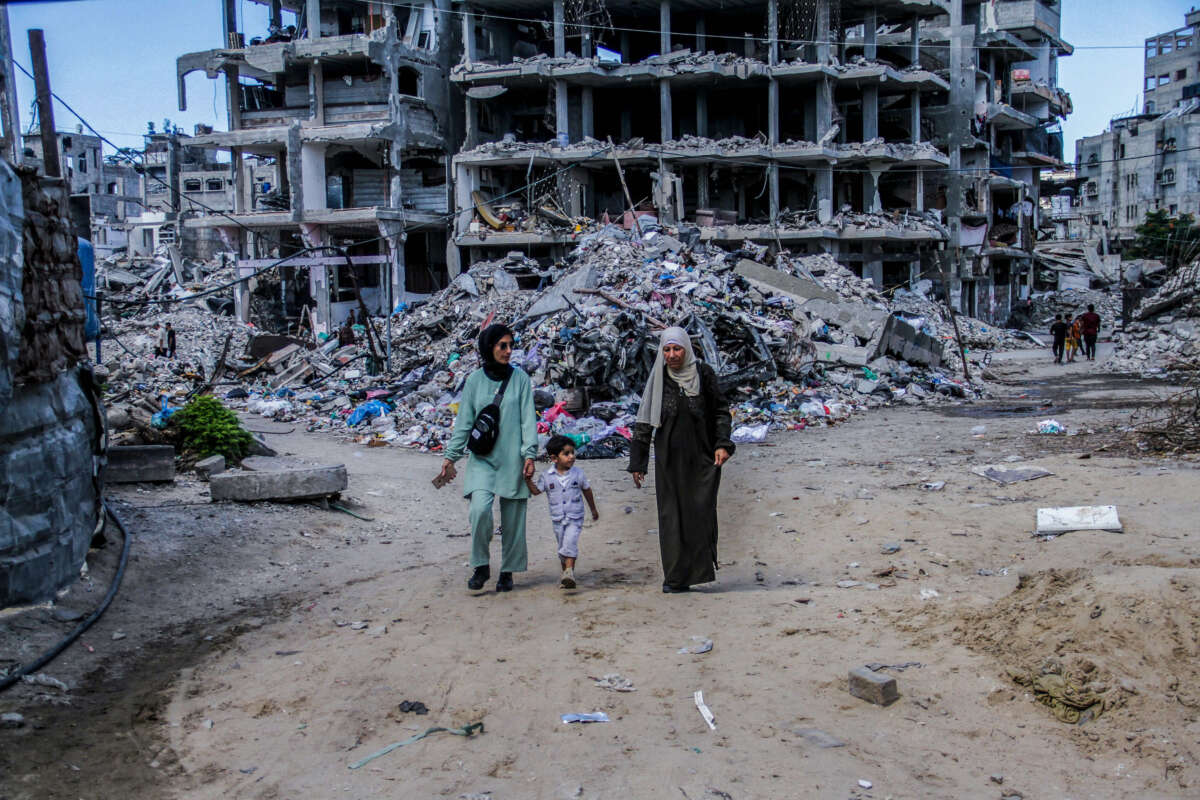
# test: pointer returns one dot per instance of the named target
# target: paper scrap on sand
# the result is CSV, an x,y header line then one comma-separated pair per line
x,y
702,646
1005,475
1078,518
704,710
595,716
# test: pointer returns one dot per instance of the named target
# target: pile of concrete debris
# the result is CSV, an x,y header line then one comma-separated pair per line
x,y
165,275
1163,339
795,340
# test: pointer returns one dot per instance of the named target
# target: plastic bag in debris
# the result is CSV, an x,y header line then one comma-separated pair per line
x,y
612,447
1050,426
269,408
159,420
366,411
750,433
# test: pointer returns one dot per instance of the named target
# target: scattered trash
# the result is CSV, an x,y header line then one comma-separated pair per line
x,y
896,667
702,646
865,784
979,430
1006,476
890,548
819,737
1078,518
934,486
466,730
704,710
1050,426
1072,700
929,594
42,679
615,683
595,716
413,706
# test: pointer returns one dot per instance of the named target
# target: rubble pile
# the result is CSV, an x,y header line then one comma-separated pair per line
x,y
1164,338
802,342
796,340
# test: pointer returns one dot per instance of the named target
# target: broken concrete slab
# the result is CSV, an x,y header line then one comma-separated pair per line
x,y
151,463
282,484
259,447
274,463
873,687
903,341
555,298
207,467
843,354
764,278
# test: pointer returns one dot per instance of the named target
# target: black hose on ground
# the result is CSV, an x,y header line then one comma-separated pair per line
x,y
57,650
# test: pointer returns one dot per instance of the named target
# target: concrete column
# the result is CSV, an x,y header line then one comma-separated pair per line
x,y
560,30
702,112
873,267
472,124
772,32
562,124
962,107
915,116
701,33
312,175
823,35
875,203
870,41
316,93
870,109
470,48
397,270
465,181
824,194
275,13
702,200
239,181
665,121
824,107
919,190
233,96
229,19
914,46
313,16
174,196
291,173
587,110
664,26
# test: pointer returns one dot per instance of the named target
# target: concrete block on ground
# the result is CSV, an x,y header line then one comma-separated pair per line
x,y
283,484
843,354
873,687
274,463
140,463
207,467
865,386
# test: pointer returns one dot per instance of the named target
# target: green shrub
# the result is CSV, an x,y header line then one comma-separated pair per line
x,y
209,428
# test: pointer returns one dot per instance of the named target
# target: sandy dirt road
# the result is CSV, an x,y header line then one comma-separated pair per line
x,y
246,676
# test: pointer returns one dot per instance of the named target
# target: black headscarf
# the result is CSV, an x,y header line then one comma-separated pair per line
x,y
488,338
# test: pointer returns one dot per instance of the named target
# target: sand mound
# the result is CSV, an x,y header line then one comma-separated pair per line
x,y
1126,642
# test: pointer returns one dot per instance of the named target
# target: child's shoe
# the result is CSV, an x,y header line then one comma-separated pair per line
x,y
568,578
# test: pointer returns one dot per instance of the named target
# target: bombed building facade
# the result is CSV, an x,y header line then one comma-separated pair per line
x,y
905,137
351,101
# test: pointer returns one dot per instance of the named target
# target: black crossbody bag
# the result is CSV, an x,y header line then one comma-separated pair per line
x,y
486,429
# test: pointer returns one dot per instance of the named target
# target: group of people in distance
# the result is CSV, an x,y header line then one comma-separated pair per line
x,y
683,413
1078,335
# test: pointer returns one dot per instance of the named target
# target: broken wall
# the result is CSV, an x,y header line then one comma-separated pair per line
x,y
50,427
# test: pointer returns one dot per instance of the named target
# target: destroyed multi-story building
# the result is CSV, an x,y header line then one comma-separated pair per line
x,y
105,193
1172,71
351,100
877,130
1147,162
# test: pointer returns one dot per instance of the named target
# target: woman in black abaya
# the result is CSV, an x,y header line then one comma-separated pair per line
x,y
687,417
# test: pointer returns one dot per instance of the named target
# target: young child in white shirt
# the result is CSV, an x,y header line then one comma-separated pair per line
x,y
565,487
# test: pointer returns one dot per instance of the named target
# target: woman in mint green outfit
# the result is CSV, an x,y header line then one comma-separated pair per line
x,y
502,472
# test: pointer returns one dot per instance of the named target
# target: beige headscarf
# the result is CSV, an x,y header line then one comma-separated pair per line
x,y
687,376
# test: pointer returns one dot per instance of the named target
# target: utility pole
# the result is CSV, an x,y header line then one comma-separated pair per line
x,y
10,116
45,103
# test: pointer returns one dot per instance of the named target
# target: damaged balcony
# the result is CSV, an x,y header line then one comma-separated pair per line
x,y
1006,118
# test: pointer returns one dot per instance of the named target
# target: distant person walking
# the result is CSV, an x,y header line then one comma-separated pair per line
x,y
1059,331
1074,340
501,473
685,414
170,341
1090,323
